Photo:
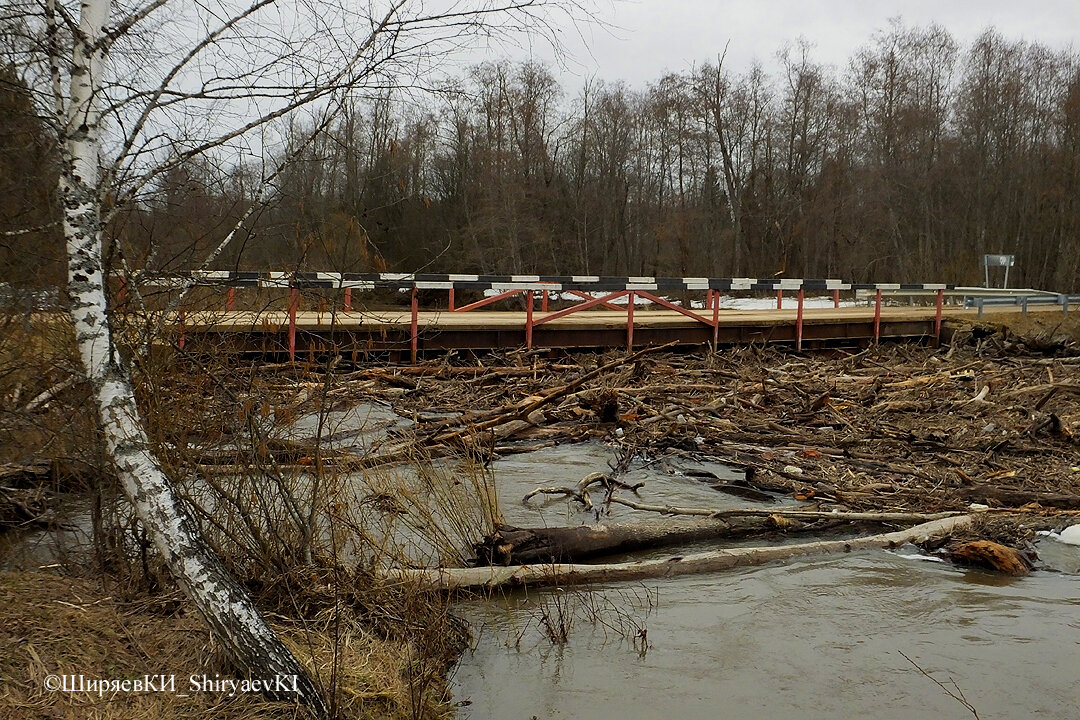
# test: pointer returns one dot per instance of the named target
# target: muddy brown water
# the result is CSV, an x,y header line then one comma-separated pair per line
x,y
812,638
808,639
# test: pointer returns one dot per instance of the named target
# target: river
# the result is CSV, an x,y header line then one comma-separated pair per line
x,y
810,638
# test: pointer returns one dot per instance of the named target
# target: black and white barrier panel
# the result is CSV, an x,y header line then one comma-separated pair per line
x,y
503,283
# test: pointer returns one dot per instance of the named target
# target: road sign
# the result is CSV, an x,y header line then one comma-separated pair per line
x,y
1005,261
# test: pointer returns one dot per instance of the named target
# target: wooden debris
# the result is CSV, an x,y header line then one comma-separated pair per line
x,y
513,545
893,428
517,546
991,556
1007,497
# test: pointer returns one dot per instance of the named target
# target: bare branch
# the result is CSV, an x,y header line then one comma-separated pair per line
x,y
111,33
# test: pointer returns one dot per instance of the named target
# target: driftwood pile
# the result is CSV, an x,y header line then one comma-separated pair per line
x,y
896,427
30,492
890,436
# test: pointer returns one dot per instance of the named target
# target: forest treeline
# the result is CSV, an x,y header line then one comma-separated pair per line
x,y
907,164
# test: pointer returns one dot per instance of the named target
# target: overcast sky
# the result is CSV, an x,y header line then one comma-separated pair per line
x,y
646,38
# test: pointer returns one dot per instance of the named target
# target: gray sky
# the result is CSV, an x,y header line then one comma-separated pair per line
x,y
649,37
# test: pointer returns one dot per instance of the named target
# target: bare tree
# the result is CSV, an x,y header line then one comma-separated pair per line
x,y
133,91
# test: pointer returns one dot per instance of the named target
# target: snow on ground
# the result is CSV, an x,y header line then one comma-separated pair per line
x,y
727,302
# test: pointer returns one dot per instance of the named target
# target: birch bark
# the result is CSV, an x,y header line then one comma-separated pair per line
x,y
248,641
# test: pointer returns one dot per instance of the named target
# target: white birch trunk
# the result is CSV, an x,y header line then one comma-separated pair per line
x,y
223,602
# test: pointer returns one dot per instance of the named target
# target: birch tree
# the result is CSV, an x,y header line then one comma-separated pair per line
x,y
132,90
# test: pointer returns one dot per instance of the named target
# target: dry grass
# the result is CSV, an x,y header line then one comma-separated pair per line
x,y
66,626
69,626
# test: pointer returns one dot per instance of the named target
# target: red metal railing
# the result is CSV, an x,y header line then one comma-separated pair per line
x,y
588,302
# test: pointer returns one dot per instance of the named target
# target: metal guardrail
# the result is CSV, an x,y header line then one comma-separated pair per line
x,y
980,297
959,291
1022,301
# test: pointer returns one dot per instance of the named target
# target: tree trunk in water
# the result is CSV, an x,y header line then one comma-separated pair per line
x,y
523,546
697,563
248,641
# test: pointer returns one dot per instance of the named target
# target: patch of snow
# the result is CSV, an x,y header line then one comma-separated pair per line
x,y
1068,536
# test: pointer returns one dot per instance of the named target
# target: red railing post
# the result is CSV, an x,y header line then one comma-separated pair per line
x,y
528,319
414,326
715,319
672,306
780,299
544,301
799,319
937,316
348,299
836,298
230,299
877,316
450,300
294,302
630,320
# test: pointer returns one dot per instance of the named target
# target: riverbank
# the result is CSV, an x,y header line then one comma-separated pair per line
x,y
73,647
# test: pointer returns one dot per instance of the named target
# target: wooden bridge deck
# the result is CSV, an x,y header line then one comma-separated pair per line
x,y
374,330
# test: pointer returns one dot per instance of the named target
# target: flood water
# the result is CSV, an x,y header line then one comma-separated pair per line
x,y
807,639
812,638
668,480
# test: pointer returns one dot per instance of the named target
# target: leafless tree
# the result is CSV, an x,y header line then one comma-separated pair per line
x,y
136,91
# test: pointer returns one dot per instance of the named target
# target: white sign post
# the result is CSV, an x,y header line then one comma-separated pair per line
x,y
989,261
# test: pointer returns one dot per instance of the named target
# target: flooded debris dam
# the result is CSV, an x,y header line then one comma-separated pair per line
x,y
887,504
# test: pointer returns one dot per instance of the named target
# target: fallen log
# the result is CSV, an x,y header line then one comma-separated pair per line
x,y
697,563
524,410
1018,498
42,399
518,546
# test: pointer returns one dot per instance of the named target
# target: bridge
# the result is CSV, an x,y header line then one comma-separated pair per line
x,y
351,317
